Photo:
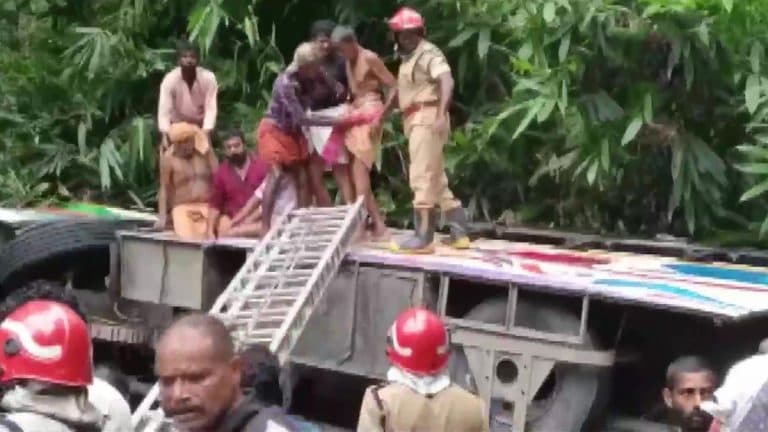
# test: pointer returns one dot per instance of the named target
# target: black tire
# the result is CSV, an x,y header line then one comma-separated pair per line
x,y
46,250
571,393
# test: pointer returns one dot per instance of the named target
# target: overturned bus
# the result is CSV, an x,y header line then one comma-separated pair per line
x,y
556,331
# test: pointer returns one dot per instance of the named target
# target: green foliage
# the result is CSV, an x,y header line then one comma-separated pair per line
x,y
603,115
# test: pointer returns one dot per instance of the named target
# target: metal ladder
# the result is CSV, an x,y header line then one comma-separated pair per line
x,y
271,298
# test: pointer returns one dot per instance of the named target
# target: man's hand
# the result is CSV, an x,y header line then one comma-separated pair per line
x,y
161,224
210,235
265,226
441,123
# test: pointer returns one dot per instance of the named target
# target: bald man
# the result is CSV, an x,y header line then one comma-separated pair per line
x,y
200,381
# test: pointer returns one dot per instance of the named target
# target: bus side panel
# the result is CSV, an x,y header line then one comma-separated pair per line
x,y
348,329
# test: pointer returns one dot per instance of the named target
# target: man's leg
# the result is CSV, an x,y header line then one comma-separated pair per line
x,y
300,175
426,152
341,173
362,179
316,185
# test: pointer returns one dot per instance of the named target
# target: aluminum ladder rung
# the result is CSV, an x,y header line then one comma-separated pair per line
x,y
272,297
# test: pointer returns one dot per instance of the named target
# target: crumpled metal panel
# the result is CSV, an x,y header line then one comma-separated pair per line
x,y
348,329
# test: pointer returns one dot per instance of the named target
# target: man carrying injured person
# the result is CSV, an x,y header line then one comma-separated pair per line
x,y
186,175
424,92
280,136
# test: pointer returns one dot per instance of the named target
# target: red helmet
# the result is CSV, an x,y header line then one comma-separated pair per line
x,y
418,342
45,341
406,19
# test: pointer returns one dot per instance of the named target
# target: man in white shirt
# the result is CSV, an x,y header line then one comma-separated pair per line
x,y
188,94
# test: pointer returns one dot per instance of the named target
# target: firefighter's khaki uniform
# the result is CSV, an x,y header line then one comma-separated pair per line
x,y
396,408
419,95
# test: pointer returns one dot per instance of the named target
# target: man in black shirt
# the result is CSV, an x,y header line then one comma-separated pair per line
x,y
200,381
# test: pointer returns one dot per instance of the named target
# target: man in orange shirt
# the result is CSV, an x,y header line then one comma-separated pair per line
x,y
188,94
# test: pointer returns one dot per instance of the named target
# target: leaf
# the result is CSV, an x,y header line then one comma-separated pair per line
x,y
648,108
605,154
546,110
632,129
754,168
607,108
754,151
562,102
461,38
752,93
565,44
754,57
755,191
532,112
81,132
728,5
549,12
764,227
249,33
483,43
592,172
526,51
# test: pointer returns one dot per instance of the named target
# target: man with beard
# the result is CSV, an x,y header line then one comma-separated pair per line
x,y
188,94
200,382
234,184
690,381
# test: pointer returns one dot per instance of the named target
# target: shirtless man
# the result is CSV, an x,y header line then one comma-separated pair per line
x,y
186,174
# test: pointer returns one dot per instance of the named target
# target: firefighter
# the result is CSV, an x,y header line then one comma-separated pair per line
x,y
424,92
45,364
419,395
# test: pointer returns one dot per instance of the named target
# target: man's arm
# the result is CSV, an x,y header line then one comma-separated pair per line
x,y
166,174
386,78
251,206
213,161
439,70
446,84
165,105
292,102
211,105
216,204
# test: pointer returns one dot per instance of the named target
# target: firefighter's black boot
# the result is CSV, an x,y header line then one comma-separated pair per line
x,y
457,223
421,241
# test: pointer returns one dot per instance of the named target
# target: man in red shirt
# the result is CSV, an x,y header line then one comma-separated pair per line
x,y
234,183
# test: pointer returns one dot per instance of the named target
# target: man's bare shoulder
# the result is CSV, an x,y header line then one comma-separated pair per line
x,y
369,55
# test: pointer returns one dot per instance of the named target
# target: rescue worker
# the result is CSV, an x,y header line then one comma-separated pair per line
x,y
424,92
46,370
419,395
102,393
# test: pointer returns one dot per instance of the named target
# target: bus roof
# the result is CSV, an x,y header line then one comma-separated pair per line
x,y
719,290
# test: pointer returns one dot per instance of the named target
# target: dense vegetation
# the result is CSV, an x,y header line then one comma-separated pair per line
x,y
628,116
